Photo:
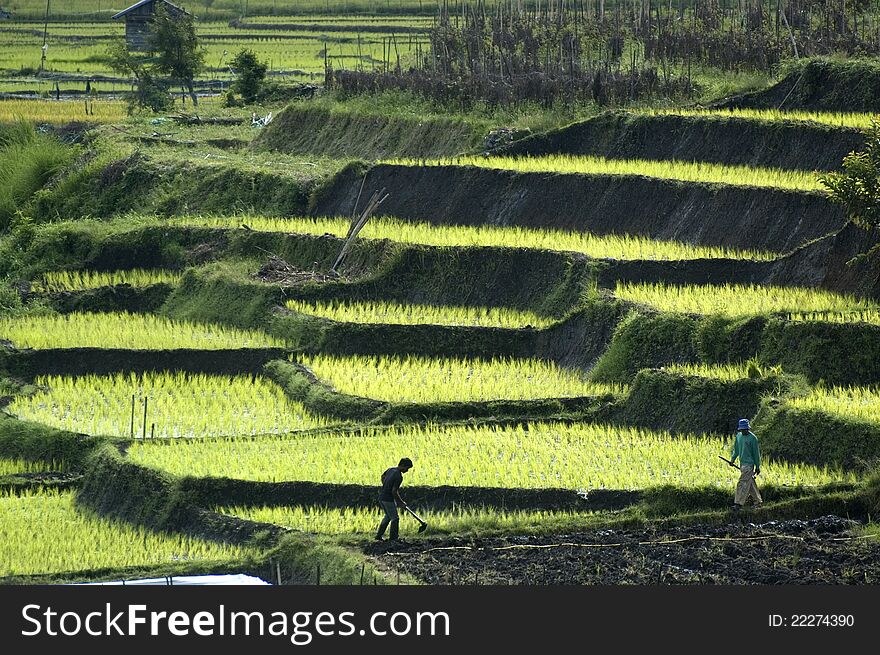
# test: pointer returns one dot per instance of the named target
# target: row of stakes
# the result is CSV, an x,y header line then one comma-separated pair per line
x,y
152,427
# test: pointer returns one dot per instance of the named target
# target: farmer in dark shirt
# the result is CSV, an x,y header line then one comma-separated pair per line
x,y
389,498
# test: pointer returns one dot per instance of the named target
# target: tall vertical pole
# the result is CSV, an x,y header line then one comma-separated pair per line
x,y
45,39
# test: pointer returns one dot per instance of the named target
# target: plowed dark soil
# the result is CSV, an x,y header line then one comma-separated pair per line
x,y
819,551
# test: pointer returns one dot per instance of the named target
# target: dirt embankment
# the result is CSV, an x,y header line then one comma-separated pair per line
x,y
820,85
776,552
723,140
317,130
738,217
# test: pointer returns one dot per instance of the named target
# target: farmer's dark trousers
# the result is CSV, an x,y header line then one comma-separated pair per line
x,y
391,518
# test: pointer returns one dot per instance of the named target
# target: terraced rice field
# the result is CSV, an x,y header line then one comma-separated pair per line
x,y
723,372
854,120
871,317
397,314
13,466
57,281
534,456
623,247
71,540
667,169
178,405
858,403
426,380
127,331
62,112
741,300
460,521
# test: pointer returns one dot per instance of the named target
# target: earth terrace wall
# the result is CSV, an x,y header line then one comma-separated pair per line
x,y
736,217
818,438
320,398
317,130
144,185
716,139
820,85
838,353
683,404
28,364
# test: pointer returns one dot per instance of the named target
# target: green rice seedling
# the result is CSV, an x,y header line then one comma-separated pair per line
x,y
859,403
536,455
81,280
855,120
696,172
739,300
871,317
724,372
127,331
61,113
14,466
397,314
427,380
322,520
179,404
609,246
44,532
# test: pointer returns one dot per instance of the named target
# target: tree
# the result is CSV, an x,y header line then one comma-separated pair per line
x,y
175,48
149,91
857,187
250,73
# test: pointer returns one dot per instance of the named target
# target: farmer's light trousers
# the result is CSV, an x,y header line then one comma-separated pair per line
x,y
746,486
391,517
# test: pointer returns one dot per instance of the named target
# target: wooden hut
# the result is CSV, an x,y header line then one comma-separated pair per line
x,y
138,18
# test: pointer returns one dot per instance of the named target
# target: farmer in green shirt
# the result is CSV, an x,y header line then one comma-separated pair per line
x,y
746,449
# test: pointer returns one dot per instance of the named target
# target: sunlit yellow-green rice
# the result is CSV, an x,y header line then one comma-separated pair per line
x,y
858,403
538,455
9,466
43,532
364,520
723,372
82,280
397,314
738,300
668,169
127,331
872,317
855,120
180,405
428,380
610,246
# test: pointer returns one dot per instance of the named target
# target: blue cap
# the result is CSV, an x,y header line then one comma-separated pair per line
x,y
744,424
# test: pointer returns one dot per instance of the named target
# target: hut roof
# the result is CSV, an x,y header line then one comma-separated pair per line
x,y
138,5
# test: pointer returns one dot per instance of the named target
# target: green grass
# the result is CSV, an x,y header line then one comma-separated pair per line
x,y
28,161
858,403
537,455
363,521
179,404
397,314
13,466
855,120
43,532
427,380
82,280
695,172
625,247
734,300
126,331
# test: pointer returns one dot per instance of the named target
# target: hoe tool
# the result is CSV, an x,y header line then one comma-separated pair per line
x,y
729,462
422,524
